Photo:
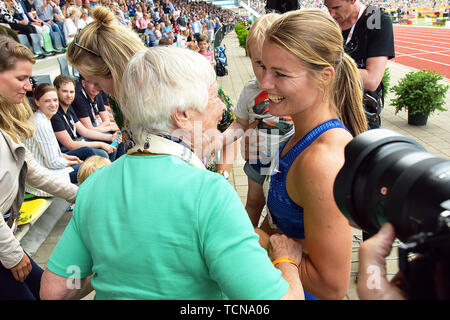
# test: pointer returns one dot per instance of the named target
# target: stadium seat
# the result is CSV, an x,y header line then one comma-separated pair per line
x,y
23,39
58,43
64,67
32,210
43,79
48,47
75,73
37,49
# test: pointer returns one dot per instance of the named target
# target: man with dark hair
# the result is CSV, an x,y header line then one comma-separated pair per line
x,y
369,40
69,131
89,107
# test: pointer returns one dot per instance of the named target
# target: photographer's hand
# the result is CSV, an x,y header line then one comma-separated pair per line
x,y
372,281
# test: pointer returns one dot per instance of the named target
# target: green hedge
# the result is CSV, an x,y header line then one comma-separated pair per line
x,y
241,32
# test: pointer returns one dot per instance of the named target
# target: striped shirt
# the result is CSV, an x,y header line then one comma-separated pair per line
x,y
45,149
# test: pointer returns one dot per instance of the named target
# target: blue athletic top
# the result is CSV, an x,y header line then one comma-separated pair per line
x,y
286,214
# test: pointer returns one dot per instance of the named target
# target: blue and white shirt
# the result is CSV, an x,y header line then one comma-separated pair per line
x,y
45,149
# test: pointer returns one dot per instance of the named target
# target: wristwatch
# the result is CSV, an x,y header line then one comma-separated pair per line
x,y
225,173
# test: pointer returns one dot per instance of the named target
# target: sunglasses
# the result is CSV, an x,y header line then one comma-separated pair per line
x,y
84,48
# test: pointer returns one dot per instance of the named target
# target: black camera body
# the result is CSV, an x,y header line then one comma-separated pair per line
x,y
388,177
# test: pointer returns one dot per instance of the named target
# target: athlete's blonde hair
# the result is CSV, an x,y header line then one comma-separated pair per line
x,y
316,40
14,117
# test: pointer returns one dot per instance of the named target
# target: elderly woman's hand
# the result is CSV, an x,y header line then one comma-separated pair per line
x,y
282,246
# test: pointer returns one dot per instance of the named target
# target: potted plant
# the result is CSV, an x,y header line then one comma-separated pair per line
x,y
421,94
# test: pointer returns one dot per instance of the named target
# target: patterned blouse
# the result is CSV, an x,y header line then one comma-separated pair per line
x,y
5,15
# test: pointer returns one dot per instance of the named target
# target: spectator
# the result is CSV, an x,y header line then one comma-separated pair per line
x,y
182,38
10,14
158,33
156,15
30,15
203,45
70,25
218,26
150,36
220,257
71,133
210,29
84,20
143,23
167,6
196,27
47,10
89,107
166,28
44,146
309,77
75,4
20,276
120,17
176,13
138,14
181,20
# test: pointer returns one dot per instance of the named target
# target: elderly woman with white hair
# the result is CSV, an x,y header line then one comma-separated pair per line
x,y
168,228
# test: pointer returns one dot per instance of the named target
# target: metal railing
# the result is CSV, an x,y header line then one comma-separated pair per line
x,y
220,34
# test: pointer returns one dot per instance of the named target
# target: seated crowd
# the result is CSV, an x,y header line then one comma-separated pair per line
x,y
180,21
72,125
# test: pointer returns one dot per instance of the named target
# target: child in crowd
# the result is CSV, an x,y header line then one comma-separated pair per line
x,y
89,166
203,44
252,111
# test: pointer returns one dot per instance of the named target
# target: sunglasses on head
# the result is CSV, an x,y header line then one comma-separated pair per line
x,y
84,48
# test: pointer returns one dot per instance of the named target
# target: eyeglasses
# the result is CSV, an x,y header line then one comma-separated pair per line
x,y
84,48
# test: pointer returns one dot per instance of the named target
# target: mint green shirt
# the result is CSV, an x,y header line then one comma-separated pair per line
x,y
155,227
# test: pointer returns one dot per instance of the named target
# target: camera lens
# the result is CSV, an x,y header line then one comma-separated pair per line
x,y
389,177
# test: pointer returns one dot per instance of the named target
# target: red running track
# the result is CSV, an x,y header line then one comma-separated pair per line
x,y
423,48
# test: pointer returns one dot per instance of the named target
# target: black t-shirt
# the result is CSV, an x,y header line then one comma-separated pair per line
x,y
181,21
65,121
85,107
373,36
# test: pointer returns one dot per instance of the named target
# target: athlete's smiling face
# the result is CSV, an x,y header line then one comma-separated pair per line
x,y
287,81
